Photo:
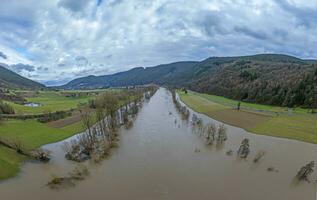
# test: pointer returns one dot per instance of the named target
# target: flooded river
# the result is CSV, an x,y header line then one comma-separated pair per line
x,y
160,159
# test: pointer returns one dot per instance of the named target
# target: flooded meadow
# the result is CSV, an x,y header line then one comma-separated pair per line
x,y
164,156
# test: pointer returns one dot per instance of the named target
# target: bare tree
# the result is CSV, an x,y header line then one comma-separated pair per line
x,y
306,171
210,131
222,134
244,149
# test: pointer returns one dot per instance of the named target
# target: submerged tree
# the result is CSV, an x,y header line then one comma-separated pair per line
x,y
306,171
210,131
95,143
222,134
87,123
41,155
244,149
258,156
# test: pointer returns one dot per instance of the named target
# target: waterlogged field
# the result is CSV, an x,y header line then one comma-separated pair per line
x,y
276,121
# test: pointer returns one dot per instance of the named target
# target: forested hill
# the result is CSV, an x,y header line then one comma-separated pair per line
x,y
9,79
266,78
174,74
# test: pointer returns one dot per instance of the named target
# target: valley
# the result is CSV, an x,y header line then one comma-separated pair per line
x,y
158,100
86,133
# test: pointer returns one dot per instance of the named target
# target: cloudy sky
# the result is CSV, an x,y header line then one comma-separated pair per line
x,y
54,41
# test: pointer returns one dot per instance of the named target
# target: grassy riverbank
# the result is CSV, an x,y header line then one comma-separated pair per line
x,y
9,162
255,118
31,134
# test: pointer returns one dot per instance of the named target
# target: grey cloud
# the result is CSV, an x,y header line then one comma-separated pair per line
x,y
212,22
306,16
74,5
43,69
257,34
22,67
81,61
61,64
2,55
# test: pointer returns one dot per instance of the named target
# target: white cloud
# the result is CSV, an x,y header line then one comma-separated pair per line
x,y
70,38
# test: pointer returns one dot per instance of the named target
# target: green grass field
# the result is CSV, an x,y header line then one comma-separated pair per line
x,y
245,105
31,134
50,101
298,126
301,127
10,162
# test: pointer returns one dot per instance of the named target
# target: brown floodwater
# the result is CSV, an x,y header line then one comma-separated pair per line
x,y
160,159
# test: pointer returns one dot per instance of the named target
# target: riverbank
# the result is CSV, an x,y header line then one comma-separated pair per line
x,y
30,134
255,118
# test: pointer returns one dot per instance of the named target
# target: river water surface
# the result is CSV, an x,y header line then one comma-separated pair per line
x,y
161,158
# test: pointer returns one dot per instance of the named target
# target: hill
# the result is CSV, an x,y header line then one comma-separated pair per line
x,y
9,79
174,74
273,79
267,79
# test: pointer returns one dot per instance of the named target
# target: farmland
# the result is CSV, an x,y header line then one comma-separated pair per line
x,y
298,124
51,101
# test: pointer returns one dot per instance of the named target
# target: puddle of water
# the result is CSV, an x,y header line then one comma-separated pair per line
x,y
33,105
156,159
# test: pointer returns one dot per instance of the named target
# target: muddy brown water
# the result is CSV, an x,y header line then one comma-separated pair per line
x,y
156,159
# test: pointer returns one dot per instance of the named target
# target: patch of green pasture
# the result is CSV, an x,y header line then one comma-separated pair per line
x,y
31,134
301,127
78,127
9,162
201,104
234,103
50,102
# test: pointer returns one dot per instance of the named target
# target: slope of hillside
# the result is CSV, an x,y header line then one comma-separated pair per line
x,y
9,79
175,74
267,79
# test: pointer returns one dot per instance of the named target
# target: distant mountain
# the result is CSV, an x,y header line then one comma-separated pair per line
x,y
265,78
174,74
9,79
